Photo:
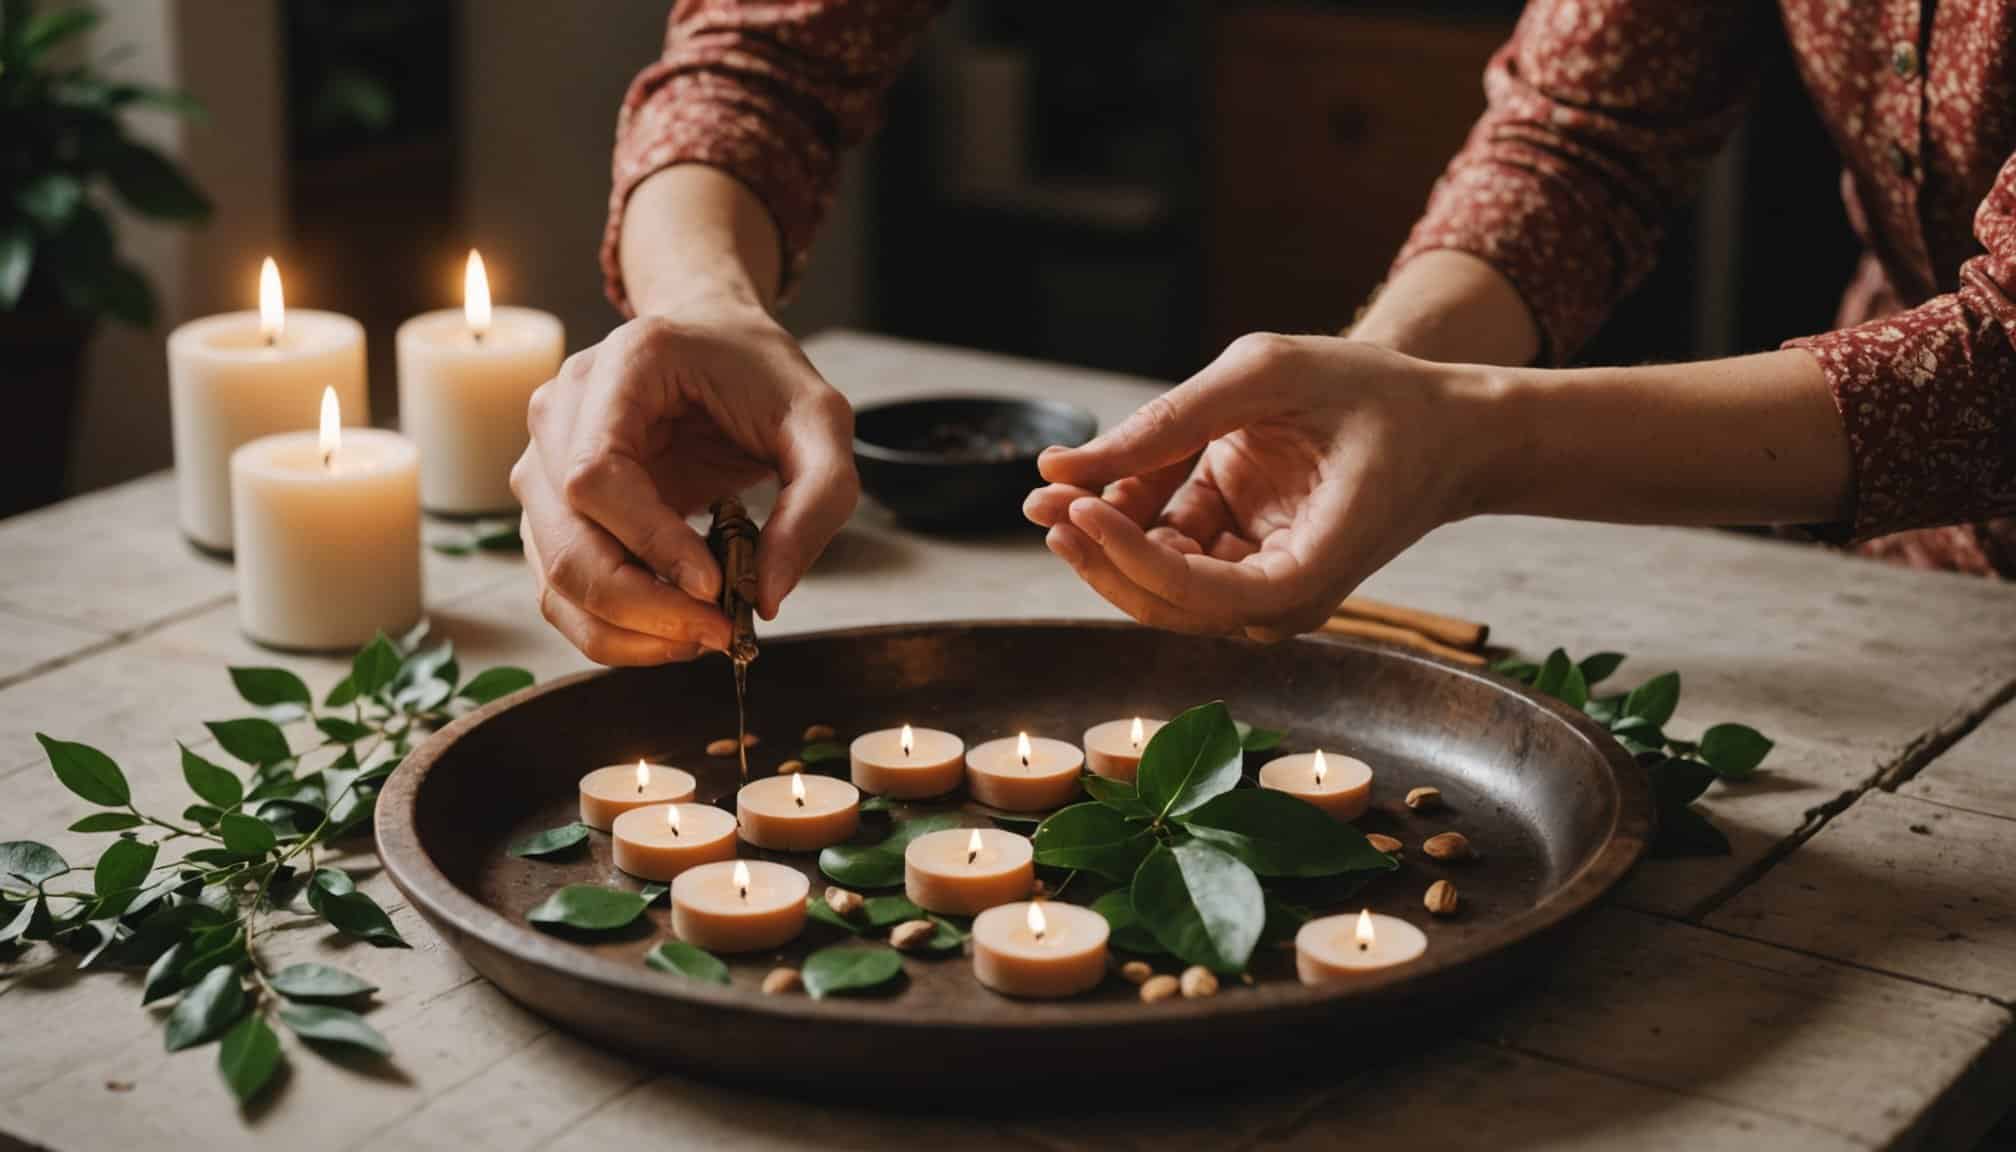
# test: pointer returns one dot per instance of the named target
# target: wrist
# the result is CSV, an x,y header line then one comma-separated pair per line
x,y
1491,413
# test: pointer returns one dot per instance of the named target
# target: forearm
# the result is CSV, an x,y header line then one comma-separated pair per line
x,y
1752,440
691,232
1453,307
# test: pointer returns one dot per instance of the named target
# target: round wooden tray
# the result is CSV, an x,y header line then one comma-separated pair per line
x,y
1557,811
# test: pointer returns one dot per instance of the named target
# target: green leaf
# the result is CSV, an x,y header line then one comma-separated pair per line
x,y
652,893
499,536
1654,700
1189,760
1685,832
589,908
818,909
265,687
152,183
1734,750
31,861
1254,739
374,666
833,971
121,869
1678,782
1202,904
1280,835
1118,795
878,804
17,259
1283,921
682,958
885,911
493,683
107,822
1514,668
341,694
246,835
253,740
1600,667
1637,728
319,982
450,547
879,865
342,731
249,1057
1574,690
551,842
206,1010
328,1024
88,772
49,29
333,895
1552,672
164,976
217,786
50,198
1605,709
1124,928
821,751
1093,837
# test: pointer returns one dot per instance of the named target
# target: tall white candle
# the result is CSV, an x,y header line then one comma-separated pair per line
x,y
328,531
465,379
242,375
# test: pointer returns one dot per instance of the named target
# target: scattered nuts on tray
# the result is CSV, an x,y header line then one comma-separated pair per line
x,y
1136,971
910,935
1383,843
1159,988
790,767
722,748
1440,898
780,981
1447,846
817,732
750,740
1198,982
842,902
1424,799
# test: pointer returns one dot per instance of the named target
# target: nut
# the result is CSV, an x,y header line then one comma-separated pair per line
x,y
790,767
910,935
1199,982
843,903
1158,988
1424,799
1136,971
782,980
721,748
1038,889
1447,846
750,740
1440,898
1383,843
817,732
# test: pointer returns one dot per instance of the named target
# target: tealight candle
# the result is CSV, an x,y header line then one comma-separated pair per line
x,y
607,793
798,813
239,376
739,906
1039,950
1022,774
1340,785
660,841
1341,949
1113,749
327,532
907,763
962,871
465,379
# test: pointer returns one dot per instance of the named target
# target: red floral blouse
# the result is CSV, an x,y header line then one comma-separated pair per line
x,y
1601,115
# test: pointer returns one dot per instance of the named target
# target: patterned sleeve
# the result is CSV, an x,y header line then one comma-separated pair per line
x,y
1600,116
1928,396
772,93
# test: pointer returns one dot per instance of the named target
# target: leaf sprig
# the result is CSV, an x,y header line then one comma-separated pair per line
x,y
252,847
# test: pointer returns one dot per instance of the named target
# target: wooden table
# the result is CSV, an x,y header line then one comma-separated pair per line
x,y
1843,980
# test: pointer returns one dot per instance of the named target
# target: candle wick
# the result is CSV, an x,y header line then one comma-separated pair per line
x,y
972,855
745,893
328,459
477,334
1364,947
272,339
800,800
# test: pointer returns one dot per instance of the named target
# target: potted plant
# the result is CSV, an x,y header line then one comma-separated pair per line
x,y
63,141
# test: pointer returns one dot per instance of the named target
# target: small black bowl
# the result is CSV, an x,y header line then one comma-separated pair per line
x,y
960,463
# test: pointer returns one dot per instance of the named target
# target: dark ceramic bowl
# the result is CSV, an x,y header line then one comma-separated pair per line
x,y
960,463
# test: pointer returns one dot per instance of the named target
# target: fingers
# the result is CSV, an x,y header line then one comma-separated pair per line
x,y
819,490
1048,504
1073,547
601,642
1262,588
1142,498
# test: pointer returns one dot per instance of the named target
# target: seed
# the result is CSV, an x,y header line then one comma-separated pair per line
x,y
1039,889
790,767
1383,843
750,740
1424,799
780,981
911,935
817,732
722,748
1447,846
842,902
1199,982
1441,898
1136,971
1159,988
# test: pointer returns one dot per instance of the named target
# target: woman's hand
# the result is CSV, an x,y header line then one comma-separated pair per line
x,y
662,417
1256,495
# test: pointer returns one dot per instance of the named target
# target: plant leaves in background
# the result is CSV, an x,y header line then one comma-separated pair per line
x,y
107,822
266,687
588,908
1124,928
1202,904
1678,782
328,1024
248,1057
495,683
216,785
682,958
30,861
206,1010
246,835
1094,837
1189,760
1684,832
1734,750
319,982
1118,795
88,772
254,740
374,666
333,895
1552,671
1600,667
1253,739
1654,700
120,871
551,842
849,968
1281,835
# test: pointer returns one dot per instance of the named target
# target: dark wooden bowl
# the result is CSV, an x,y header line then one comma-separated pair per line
x,y
928,484
1557,811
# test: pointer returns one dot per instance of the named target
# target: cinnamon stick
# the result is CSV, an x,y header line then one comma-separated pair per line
x,y
1449,630
1405,637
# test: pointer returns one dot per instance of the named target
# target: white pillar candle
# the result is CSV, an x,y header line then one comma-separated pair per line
x,y
465,379
328,534
242,375
1344,949
1039,950
660,841
964,871
907,763
1021,773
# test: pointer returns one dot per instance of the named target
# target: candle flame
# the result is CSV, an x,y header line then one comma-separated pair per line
x,y
973,846
1365,933
272,306
1322,769
331,436
672,818
742,879
643,776
1135,733
1022,747
798,789
909,738
476,296
1037,925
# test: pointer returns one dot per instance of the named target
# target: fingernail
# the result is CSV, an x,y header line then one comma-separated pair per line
x,y
696,583
1065,545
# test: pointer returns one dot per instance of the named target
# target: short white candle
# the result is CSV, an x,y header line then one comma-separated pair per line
x,y
907,763
465,378
1340,785
328,532
1343,949
1021,773
1113,749
1039,950
242,375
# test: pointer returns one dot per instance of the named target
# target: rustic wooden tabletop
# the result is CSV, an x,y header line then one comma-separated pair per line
x,y
1842,980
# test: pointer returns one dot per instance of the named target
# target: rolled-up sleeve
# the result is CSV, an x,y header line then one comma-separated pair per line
x,y
1928,396
771,94
1601,115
